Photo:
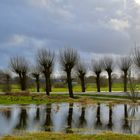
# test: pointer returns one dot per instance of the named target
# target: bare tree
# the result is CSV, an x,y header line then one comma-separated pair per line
x,y
36,74
125,64
81,72
97,69
19,65
108,67
5,77
136,56
68,59
45,59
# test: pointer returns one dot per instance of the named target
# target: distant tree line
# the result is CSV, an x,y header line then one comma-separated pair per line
x,y
70,62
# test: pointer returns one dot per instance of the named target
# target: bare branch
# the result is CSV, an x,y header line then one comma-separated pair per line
x,y
81,71
136,56
35,71
108,64
97,66
68,58
45,59
19,64
125,63
80,68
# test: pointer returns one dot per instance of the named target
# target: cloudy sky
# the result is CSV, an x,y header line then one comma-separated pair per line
x,y
93,27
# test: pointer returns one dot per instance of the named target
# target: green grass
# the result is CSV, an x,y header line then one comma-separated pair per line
x,y
18,98
61,136
76,88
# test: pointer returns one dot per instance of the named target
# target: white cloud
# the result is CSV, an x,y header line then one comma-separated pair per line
x,y
56,8
22,41
119,24
137,1
16,39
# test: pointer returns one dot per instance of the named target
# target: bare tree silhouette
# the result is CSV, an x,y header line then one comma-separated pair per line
x,y
108,67
36,74
97,69
5,77
125,64
68,59
81,72
19,65
136,56
45,59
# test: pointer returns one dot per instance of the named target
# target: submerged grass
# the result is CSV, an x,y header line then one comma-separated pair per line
x,y
61,136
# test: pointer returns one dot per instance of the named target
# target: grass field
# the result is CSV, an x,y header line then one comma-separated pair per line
x,y
61,136
18,98
76,88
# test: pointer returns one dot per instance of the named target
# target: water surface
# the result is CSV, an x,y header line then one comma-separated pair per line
x,y
70,118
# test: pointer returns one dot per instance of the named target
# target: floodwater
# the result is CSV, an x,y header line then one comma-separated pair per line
x,y
70,118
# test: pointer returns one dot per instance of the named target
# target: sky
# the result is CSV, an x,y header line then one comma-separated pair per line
x,y
93,27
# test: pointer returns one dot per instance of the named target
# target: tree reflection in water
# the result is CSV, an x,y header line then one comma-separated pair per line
x,y
132,111
47,124
7,114
37,114
98,117
22,119
126,127
110,123
69,120
82,120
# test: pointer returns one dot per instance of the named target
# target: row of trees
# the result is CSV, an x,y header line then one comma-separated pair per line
x,y
70,60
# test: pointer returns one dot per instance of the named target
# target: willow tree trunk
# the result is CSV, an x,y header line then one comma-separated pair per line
x,y
22,78
109,82
7,87
48,118
69,119
125,81
98,82
98,122
37,84
126,122
47,83
50,85
110,117
82,79
69,81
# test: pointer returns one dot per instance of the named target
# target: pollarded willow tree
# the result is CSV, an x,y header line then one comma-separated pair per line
x,y
19,65
5,77
35,72
108,66
68,60
45,60
124,65
81,72
97,69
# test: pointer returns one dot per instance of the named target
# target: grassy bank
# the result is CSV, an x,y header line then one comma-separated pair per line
x,y
59,136
76,88
18,98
